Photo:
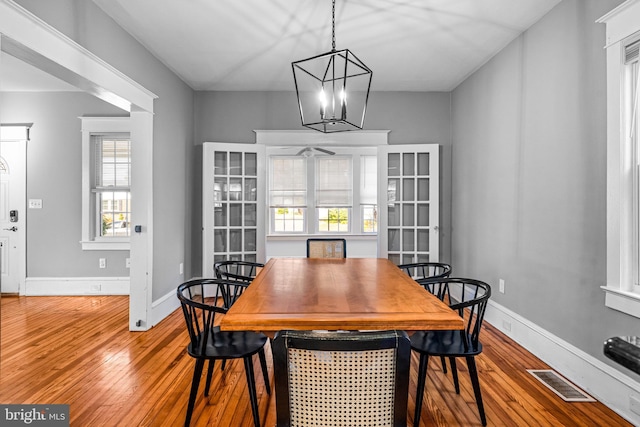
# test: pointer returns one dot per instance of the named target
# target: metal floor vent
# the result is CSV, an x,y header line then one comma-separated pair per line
x,y
560,386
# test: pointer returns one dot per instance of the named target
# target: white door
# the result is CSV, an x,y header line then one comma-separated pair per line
x,y
233,200
408,194
12,214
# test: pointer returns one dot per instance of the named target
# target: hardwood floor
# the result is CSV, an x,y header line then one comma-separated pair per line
x,y
78,351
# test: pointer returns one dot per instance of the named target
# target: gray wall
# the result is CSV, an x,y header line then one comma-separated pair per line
x,y
529,178
173,153
54,169
412,117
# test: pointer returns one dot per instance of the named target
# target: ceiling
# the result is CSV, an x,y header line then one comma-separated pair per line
x,y
411,45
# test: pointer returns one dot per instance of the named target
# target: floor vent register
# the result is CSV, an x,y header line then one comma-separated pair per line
x,y
560,386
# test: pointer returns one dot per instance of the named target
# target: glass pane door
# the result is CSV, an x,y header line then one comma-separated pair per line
x,y
410,196
232,222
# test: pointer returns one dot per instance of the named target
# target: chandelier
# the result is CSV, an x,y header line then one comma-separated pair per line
x,y
332,88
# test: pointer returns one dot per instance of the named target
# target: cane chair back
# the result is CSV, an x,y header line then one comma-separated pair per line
x,y
336,379
326,248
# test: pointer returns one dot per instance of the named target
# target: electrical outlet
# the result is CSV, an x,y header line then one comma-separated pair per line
x,y
181,268
102,262
506,325
35,203
127,263
501,286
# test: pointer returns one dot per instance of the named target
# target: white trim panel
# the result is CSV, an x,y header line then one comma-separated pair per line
x,y
620,20
43,46
301,138
163,307
68,286
626,302
607,384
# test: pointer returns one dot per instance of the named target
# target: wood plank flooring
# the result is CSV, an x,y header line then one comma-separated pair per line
x,y
78,351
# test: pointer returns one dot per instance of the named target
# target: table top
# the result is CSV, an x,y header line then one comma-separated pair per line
x,y
336,294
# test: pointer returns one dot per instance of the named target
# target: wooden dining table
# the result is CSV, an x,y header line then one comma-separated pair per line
x,y
336,294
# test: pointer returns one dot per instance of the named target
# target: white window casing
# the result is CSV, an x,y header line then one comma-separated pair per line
x,y
623,177
90,237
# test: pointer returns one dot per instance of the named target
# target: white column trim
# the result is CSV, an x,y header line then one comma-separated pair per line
x,y
34,41
29,38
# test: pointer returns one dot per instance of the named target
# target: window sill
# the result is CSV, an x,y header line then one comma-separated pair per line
x,y
105,246
321,236
624,301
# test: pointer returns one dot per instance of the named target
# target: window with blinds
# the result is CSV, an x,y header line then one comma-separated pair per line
x,y
106,183
630,114
112,184
334,193
323,194
288,194
369,193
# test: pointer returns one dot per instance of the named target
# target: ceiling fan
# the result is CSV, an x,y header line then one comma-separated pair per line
x,y
308,151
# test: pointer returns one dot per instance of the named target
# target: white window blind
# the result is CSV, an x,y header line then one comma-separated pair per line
x,y
113,161
369,180
112,184
334,182
288,187
631,52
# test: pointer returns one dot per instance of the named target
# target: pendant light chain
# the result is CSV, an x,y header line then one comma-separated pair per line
x,y
321,88
333,26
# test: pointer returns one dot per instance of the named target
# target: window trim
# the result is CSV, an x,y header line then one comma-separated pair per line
x,y
91,125
368,139
354,153
622,29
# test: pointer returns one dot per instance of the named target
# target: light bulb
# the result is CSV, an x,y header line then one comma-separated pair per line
x,y
323,103
343,104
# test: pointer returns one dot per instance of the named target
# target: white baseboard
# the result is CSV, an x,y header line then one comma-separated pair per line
x,y
68,286
163,307
605,383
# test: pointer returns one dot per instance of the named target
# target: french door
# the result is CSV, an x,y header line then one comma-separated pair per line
x,y
233,203
408,200
234,209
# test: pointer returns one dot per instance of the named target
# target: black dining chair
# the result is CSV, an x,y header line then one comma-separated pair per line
x,y
237,270
469,297
201,300
341,378
422,272
326,248
425,273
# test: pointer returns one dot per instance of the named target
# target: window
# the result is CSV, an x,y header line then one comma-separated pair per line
x,y
288,194
111,186
630,129
334,194
315,194
369,194
106,183
623,154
